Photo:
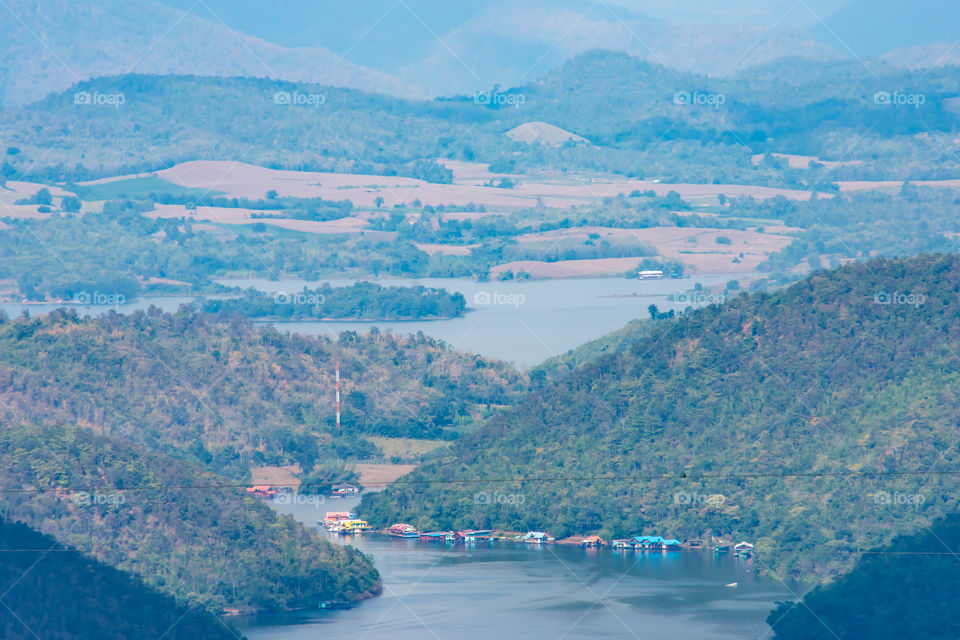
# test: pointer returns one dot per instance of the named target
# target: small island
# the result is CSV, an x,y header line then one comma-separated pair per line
x,y
361,301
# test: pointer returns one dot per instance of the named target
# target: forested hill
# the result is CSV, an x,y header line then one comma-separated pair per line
x,y
186,533
713,125
52,591
221,392
907,589
814,421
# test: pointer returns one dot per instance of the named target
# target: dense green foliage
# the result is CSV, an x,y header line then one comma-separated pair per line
x,y
853,372
225,394
640,128
907,589
53,591
360,301
179,529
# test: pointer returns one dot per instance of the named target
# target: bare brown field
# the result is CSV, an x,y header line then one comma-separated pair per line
x,y
380,475
276,476
224,215
696,248
447,249
865,185
570,268
18,190
405,447
248,181
795,161
26,189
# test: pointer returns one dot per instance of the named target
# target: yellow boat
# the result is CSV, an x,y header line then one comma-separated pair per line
x,y
353,526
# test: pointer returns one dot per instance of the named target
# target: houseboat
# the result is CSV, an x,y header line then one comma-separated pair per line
x,y
593,541
473,535
344,489
354,526
622,544
648,543
671,545
535,537
334,519
435,536
743,550
401,530
262,491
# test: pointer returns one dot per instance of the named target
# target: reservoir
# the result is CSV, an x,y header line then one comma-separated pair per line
x,y
506,590
520,321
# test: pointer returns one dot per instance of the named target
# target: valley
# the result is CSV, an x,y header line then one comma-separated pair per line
x,y
580,319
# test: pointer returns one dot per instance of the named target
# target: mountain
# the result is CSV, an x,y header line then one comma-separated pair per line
x,y
814,421
868,28
224,393
920,571
186,533
49,45
787,106
944,54
83,599
465,47
498,46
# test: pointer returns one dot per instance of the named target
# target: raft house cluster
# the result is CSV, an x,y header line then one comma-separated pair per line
x,y
346,523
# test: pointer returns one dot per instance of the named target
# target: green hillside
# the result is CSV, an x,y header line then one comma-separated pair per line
x,y
226,394
904,590
814,421
177,528
83,599
652,122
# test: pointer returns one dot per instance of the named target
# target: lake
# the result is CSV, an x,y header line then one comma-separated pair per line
x,y
504,590
523,322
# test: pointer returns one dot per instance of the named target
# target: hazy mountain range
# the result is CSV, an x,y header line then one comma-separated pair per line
x,y
426,47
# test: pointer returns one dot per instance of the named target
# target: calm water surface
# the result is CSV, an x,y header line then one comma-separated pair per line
x,y
524,322
502,590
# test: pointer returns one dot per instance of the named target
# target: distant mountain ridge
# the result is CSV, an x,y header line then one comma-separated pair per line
x,y
49,45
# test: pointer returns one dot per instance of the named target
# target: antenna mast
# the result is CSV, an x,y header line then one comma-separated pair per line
x,y
338,394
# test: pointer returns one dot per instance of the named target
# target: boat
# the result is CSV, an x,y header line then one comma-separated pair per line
x,y
593,541
354,526
334,520
401,530
336,604
722,548
474,535
535,537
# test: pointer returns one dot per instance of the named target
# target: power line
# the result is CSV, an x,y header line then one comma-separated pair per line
x,y
692,477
